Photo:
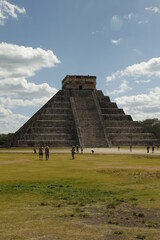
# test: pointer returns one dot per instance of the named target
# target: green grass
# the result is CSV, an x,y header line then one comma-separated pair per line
x,y
42,199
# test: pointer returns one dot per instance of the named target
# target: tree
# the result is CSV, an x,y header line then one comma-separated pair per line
x,y
5,139
152,126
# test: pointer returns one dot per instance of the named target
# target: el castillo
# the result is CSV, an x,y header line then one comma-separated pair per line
x,y
81,114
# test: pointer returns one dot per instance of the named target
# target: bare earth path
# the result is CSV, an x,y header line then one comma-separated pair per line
x,y
138,151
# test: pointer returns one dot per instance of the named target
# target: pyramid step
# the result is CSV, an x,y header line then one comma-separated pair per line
x,y
61,98
110,123
100,94
131,136
108,105
56,117
48,136
87,114
103,99
52,143
115,117
54,123
50,129
125,130
112,111
59,105
50,110
137,142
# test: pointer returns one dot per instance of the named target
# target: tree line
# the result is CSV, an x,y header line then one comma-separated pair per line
x,y
152,126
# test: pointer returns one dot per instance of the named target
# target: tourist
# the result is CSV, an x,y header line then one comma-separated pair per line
x,y
130,148
47,153
92,151
152,149
77,148
118,147
41,153
34,150
81,150
147,149
73,151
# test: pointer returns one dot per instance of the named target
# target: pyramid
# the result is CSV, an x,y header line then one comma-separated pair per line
x,y
79,114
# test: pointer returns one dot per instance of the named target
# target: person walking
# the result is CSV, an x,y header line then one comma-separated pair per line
x,y
81,150
77,148
34,150
40,153
73,152
47,153
130,148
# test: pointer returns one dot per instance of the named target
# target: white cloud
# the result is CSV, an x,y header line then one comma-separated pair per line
x,y
116,41
130,16
10,122
141,106
122,88
143,81
19,87
16,102
153,9
149,69
116,23
17,63
9,10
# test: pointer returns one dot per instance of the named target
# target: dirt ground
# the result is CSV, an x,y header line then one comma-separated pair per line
x,y
113,150
125,215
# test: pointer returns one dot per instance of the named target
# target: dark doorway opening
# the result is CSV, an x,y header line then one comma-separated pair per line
x,y
80,87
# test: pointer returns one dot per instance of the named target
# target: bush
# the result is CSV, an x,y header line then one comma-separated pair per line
x,y
5,140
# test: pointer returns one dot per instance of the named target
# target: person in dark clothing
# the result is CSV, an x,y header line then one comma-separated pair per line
x,y
34,150
81,150
130,148
47,152
73,151
77,148
40,153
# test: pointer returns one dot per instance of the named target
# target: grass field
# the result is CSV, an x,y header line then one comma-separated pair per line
x,y
92,197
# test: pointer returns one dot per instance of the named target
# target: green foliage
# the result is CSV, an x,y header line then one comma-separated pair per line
x,y
5,139
152,126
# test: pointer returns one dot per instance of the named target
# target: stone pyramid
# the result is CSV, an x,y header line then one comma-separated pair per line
x,y
79,114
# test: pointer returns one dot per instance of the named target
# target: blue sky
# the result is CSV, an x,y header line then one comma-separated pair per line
x,y
43,41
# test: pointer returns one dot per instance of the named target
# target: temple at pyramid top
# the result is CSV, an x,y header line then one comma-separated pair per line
x,y
79,114
79,82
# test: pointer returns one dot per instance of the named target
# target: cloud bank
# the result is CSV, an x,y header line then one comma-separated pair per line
x,y
140,106
150,69
17,64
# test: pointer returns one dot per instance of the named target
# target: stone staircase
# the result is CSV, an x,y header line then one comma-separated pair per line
x,y
91,130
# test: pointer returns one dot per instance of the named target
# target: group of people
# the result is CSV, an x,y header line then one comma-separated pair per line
x,y
42,150
153,148
148,148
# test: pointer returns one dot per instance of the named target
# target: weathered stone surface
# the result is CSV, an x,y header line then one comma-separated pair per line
x,y
80,114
